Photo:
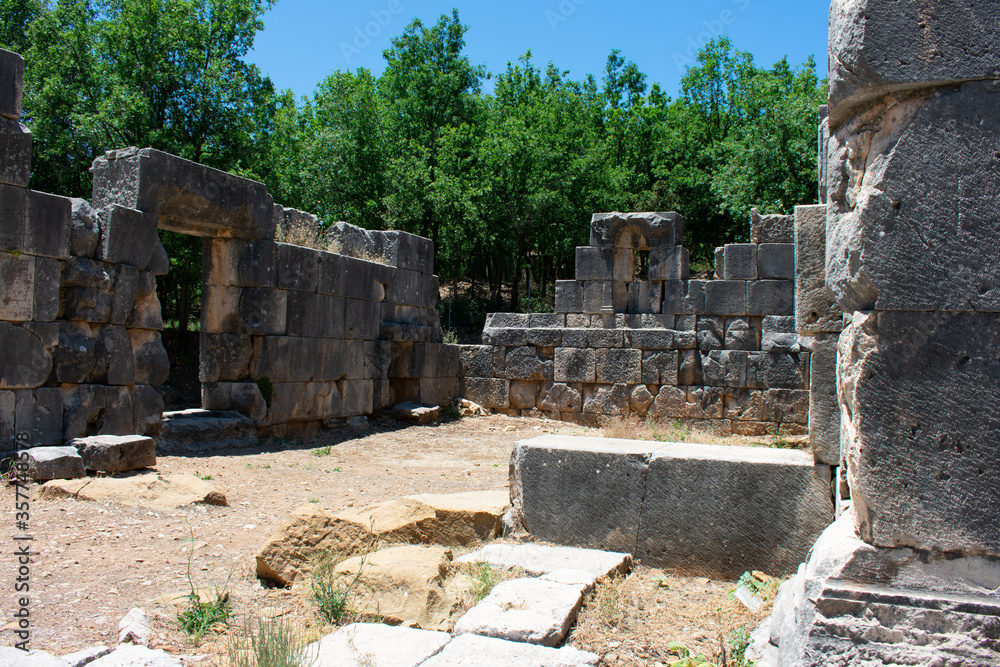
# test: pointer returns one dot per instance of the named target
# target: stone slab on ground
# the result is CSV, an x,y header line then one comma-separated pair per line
x,y
375,645
86,656
130,655
115,453
45,463
537,560
581,491
476,651
719,511
15,657
415,413
534,611
148,490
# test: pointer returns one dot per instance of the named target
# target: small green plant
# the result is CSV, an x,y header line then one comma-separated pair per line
x,y
323,451
739,642
14,251
485,578
329,592
779,439
451,411
451,337
334,470
197,617
206,478
686,657
609,597
314,500
757,583
273,643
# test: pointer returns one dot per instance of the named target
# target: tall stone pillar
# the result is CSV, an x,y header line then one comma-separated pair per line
x,y
911,573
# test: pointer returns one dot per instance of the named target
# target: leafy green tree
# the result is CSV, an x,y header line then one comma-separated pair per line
x,y
15,17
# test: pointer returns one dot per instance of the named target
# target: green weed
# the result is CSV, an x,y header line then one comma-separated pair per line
x,y
274,643
323,451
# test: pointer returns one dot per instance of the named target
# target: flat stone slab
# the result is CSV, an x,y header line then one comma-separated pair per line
x,y
115,453
416,413
375,645
130,655
204,429
534,611
476,651
538,560
45,463
149,490
15,657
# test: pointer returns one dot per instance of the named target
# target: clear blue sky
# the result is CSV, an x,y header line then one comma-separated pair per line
x,y
305,40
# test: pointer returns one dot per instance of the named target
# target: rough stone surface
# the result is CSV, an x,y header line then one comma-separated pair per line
x,y
414,413
720,511
580,491
771,228
659,229
776,261
17,292
533,611
148,490
879,46
824,404
24,361
815,308
47,225
127,237
911,378
129,655
473,651
539,561
112,453
376,645
45,463
15,153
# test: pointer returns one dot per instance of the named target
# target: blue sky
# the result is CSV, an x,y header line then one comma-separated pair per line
x,y
305,40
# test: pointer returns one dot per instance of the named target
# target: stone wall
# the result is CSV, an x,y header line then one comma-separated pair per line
x,y
634,334
291,336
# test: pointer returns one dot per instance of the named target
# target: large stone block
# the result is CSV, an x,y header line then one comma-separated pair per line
x,y
645,297
659,367
15,153
11,84
593,263
598,297
741,261
127,236
330,274
771,228
75,356
523,363
575,365
84,233
725,368
357,279
719,511
357,398
684,297
742,333
45,463
147,409
914,225
188,197
824,405
17,287
39,414
658,229
361,319
114,360
111,454
776,261
562,398
878,47
240,262
606,399
921,446
650,339
404,251
263,310
669,263
480,361
47,225
619,366
151,363
297,267
493,393
569,296
13,212
8,430
778,370
24,361
123,297
815,309
580,491
770,297
726,297
146,313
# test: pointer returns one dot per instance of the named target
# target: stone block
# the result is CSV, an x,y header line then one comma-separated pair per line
x,y
650,339
725,368
720,263
15,153
688,403
75,356
727,297
111,454
357,279
575,365
24,361
151,363
13,213
544,337
742,333
882,253
84,233
743,405
240,262
123,296
574,338
407,359
147,409
8,431
188,197
220,309
577,320
39,414
780,342
405,251
45,463
127,236
546,320
619,366
640,399
598,297
771,228
776,261
146,312
605,399
580,491
297,268
644,297
17,287
569,296
781,324
778,370
361,319
824,406
785,406
920,446
593,263
439,391
771,297
658,229
741,261
330,274
480,361
508,320
354,645
113,352
492,393
878,47
11,84
815,308
523,363
711,333
605,338
523,395
475,650
705,506
47,225
689,370
683,297
660,367
669,263
561,398
263,310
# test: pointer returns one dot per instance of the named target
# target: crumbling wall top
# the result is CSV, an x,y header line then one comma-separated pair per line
x,y
657,229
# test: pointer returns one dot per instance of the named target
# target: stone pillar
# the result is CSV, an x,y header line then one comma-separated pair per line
x,y
911,573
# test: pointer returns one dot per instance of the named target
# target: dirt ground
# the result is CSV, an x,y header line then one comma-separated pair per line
x,y
96,561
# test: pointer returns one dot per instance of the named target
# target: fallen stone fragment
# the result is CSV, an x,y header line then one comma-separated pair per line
x,y
467,408
474,651
534,611
45,463
134,628
150,490
447,519
129,655
414,413
115,453
540,560
15,657
376,645
86,656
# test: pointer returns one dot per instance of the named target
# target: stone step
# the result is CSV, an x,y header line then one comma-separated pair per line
x,y
473,650
205,430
